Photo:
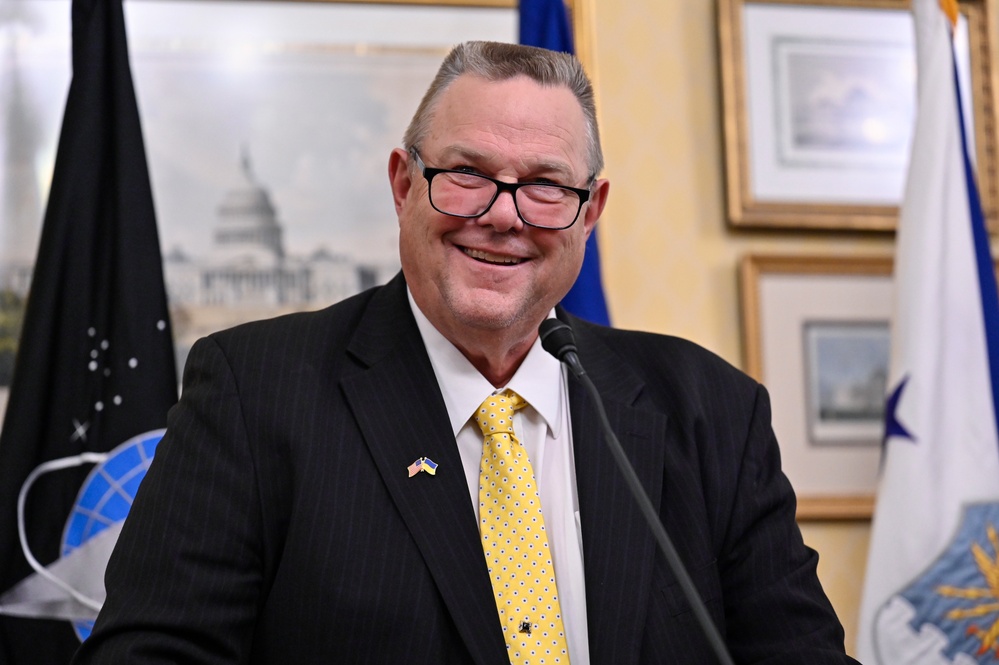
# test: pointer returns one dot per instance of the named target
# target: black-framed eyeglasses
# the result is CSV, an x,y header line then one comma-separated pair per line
x,y
465,194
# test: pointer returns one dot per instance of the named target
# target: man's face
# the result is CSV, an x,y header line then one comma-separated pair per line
x,y
494,272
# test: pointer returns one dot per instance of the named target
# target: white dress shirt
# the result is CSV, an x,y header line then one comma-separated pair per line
x,y
544,429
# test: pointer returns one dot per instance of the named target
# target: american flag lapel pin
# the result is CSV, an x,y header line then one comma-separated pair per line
x,y
424,464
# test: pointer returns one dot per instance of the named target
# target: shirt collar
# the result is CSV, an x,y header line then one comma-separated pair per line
x,y
538,380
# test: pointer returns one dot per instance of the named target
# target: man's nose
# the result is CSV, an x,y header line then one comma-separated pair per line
x,y
502,215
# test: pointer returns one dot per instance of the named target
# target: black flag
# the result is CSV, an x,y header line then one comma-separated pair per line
x,y
95,365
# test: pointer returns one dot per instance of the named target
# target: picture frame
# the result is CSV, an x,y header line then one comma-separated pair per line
x,y
208,137
790,306
846,371
819,101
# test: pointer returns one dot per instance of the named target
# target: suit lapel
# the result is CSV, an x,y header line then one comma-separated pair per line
x,y
402,416
618,546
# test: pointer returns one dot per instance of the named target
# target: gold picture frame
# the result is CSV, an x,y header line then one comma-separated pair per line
x,y
783,298
795,75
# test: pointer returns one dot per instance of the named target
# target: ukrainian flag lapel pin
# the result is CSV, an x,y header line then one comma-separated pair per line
x,y
423,464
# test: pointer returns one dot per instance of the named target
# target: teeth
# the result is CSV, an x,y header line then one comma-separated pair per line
x,y
491,258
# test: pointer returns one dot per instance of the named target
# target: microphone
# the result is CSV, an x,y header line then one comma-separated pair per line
x,y
558,340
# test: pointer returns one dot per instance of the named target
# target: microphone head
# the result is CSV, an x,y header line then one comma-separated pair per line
x,y
557,338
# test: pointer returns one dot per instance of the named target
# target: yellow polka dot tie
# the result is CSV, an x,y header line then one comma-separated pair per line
x,y
514,540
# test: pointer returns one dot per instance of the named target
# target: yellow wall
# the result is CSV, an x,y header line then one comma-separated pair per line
x,y
669,257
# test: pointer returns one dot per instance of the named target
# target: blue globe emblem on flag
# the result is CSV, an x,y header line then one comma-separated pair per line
x,y
106,496
950,613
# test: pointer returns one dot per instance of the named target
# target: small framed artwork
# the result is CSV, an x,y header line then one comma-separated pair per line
x,y
846,372
816,333
820,99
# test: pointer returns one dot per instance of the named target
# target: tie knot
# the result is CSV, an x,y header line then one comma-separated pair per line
x,y
495,414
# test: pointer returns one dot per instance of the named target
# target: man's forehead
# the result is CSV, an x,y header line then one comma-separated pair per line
x,y
532,161
474,115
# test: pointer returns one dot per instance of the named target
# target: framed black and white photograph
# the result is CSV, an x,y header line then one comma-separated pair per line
x,y
846,374
819,107
816,335
267,126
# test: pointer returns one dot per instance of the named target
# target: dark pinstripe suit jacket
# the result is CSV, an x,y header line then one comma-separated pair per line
x,y
278,523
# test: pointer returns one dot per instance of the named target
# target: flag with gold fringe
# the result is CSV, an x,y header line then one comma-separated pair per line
x,y
931,591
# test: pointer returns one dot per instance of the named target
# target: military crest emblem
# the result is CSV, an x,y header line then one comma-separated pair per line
x,y
949,615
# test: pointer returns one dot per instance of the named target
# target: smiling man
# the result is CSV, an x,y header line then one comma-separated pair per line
x,y
487,278
407,476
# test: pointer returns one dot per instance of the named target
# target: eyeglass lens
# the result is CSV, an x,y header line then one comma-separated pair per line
x,y
468,195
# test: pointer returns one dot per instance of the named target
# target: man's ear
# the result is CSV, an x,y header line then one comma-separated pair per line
x,y
399,177
595,206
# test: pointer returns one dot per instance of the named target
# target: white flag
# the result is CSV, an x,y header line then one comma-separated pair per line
x,y
931,594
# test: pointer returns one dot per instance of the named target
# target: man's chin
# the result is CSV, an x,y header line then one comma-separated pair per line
x,y
478,320
482,312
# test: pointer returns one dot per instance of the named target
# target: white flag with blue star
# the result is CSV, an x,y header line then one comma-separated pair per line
x,y
931,593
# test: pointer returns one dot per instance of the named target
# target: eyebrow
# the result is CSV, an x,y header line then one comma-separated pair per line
x,y
559,168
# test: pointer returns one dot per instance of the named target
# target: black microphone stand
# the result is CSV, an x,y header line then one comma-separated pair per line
x,y
557,339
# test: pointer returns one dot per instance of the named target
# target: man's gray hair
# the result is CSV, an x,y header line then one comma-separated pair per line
x,y
496,61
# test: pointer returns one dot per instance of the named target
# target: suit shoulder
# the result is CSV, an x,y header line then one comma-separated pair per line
x,y
677,376
288,341
331,323
660,357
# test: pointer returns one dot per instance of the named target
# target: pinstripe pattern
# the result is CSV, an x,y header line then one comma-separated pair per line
x,y
278,523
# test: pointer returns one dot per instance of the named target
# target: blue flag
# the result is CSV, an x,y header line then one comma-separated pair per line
x,y
545,23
